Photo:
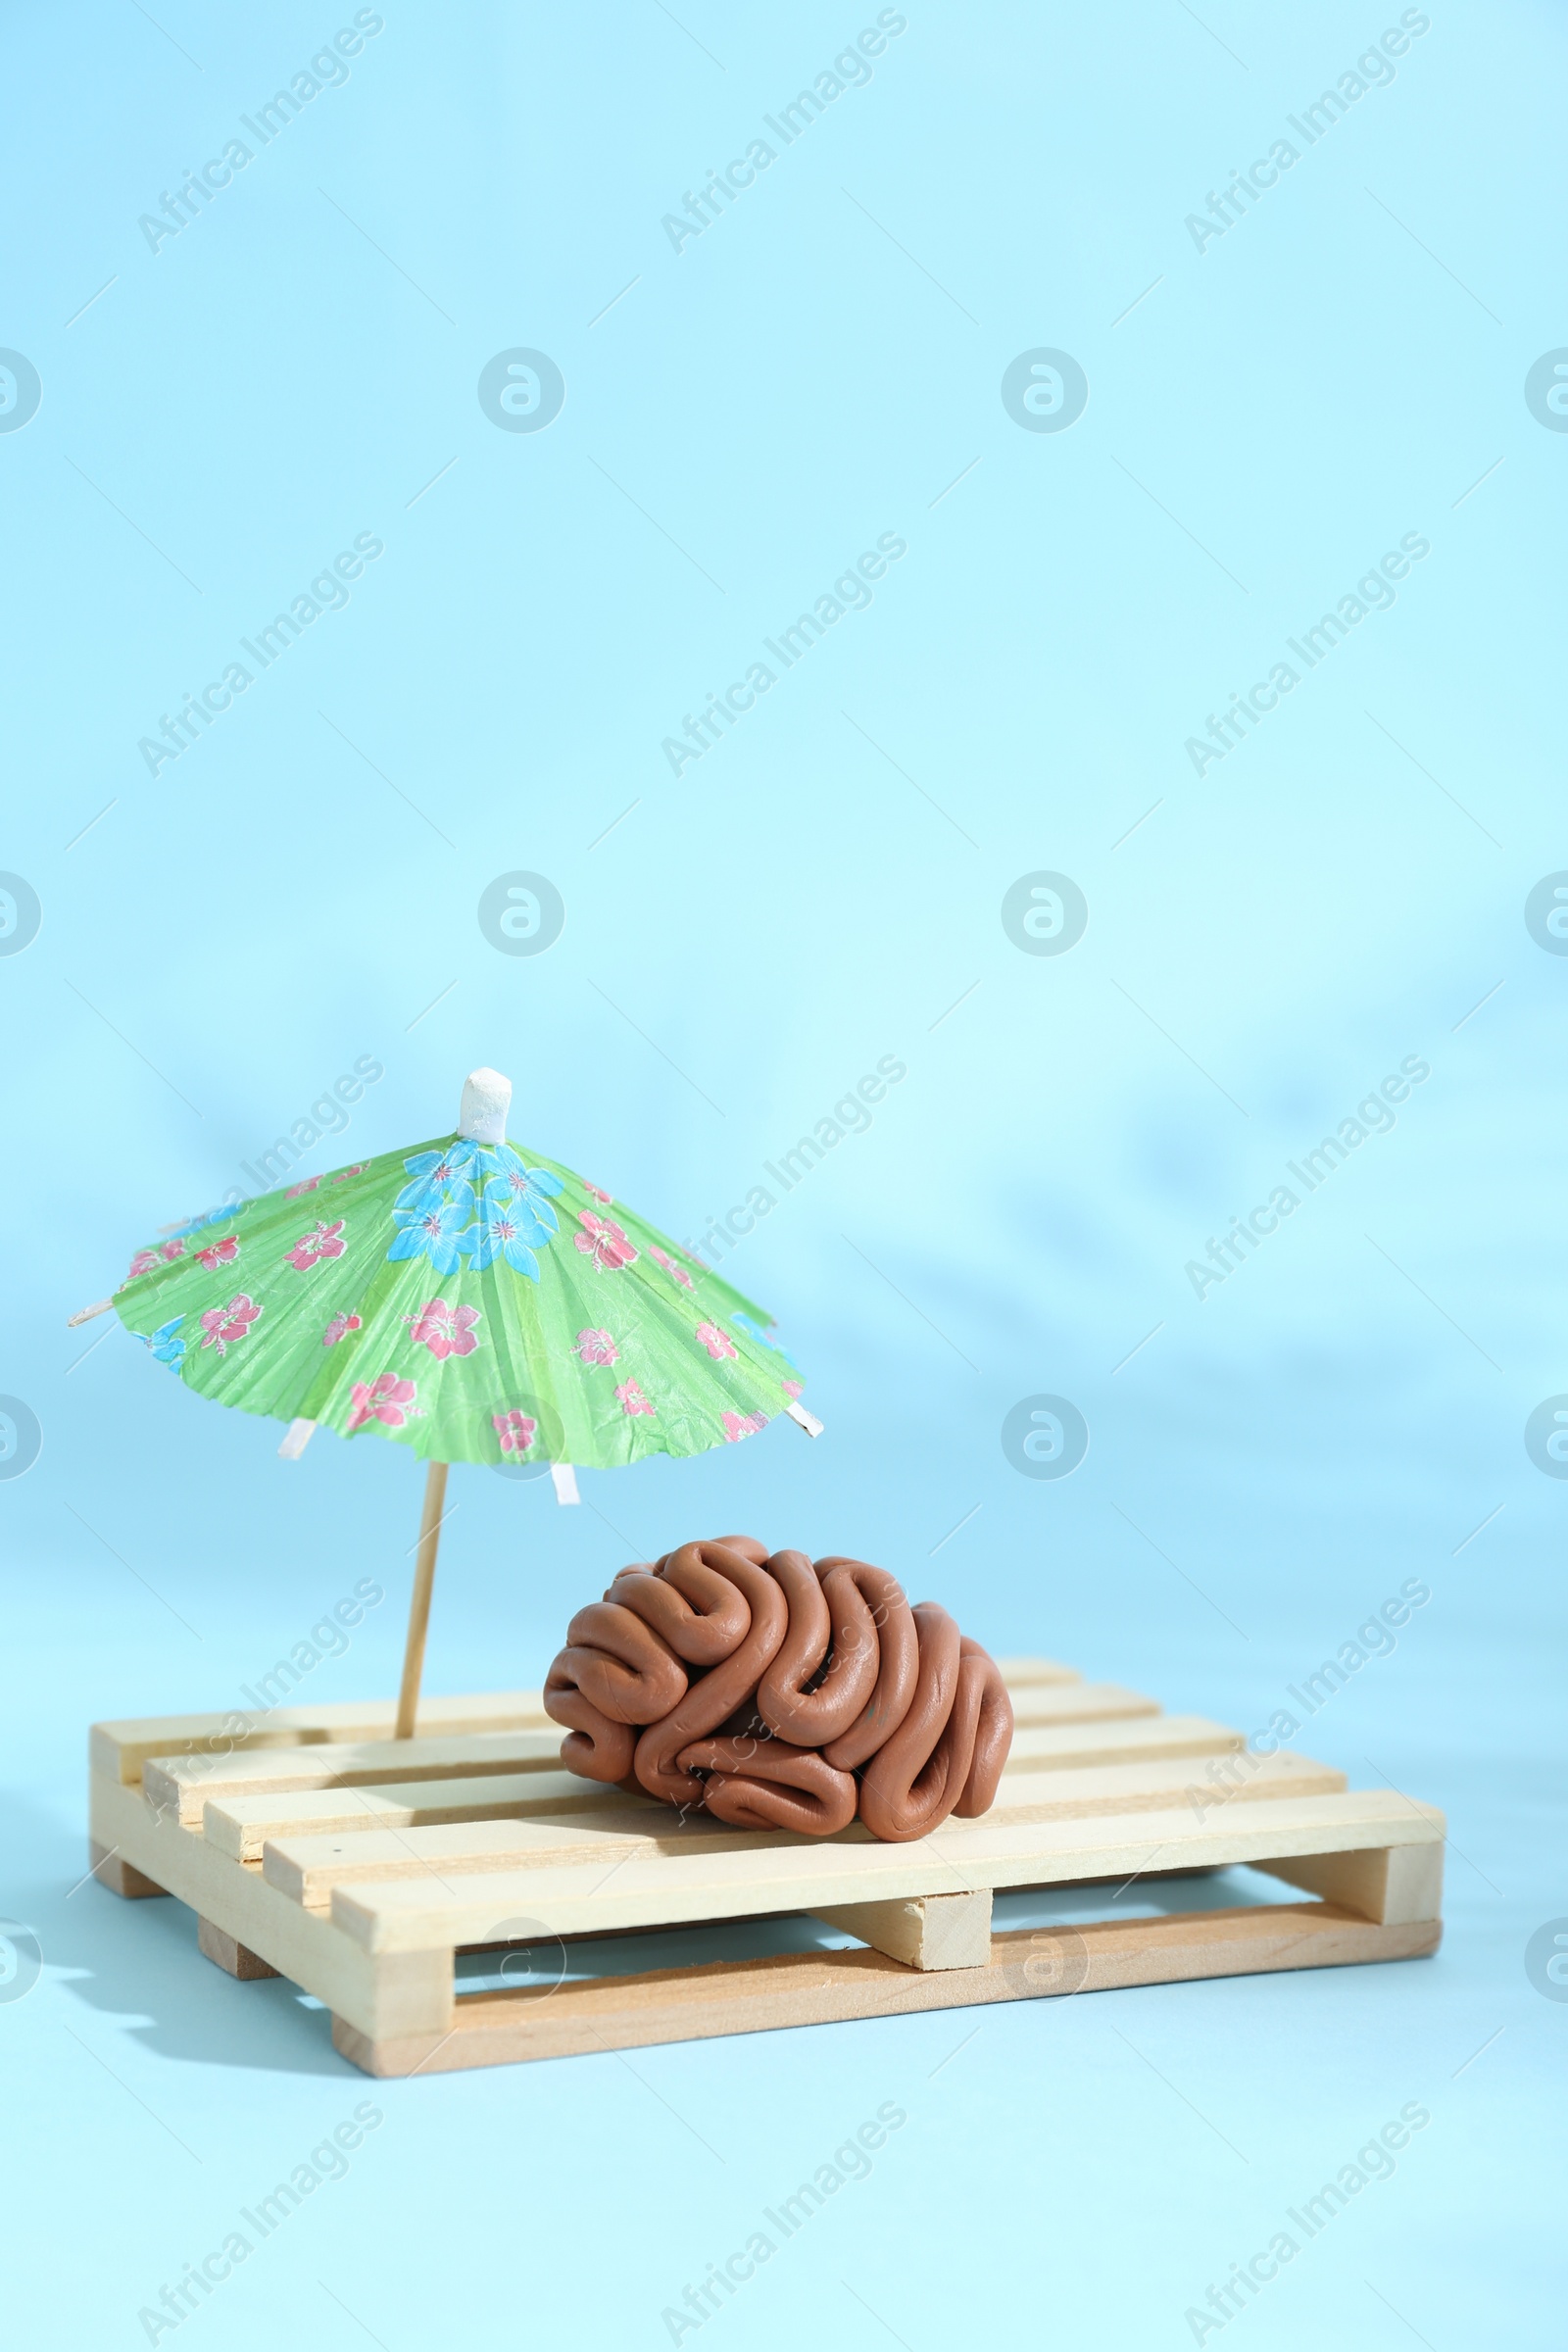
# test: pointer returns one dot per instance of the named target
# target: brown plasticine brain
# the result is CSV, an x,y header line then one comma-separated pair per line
x,y
778,1693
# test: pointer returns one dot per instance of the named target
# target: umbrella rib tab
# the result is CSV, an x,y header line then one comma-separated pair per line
x,y
563,1478
100,1306
808,1421
294,1440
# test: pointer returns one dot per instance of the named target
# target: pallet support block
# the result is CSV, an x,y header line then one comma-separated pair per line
x,y
226,1952
123,1877
934,1931
1394,1884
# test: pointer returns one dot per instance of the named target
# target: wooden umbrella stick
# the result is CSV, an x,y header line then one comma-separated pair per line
x,y
435,1491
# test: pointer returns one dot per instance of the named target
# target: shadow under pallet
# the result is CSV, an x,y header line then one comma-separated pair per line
x,y
449,1898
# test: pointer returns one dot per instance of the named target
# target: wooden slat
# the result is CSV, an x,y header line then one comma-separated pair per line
x,y
182,1785
581,1899
120,1748
1080,1703
810,1988
188,1784
1038,1704
241,1824
1116,1740
310,1867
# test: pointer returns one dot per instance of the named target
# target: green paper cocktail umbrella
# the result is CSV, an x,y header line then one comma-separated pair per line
x,y
466,1298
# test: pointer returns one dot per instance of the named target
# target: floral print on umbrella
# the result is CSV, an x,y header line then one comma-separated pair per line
x,y
222,1327
531,1188
460,1162
436,1229
514,1219
502,1235
439,1219
446,1330
386,1399
603,1241
166,1348
209,1216
765,1339
661,1257
311,1247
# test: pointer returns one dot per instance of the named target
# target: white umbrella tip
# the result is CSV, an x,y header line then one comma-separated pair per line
x,y
486,1100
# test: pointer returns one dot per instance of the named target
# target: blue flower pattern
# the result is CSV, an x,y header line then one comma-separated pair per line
x,y
765,1339
436,1214
166,1346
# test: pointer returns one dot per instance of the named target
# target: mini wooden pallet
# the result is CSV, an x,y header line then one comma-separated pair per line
x,y
319,1848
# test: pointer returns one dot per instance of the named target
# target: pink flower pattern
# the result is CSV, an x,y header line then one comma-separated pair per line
x,y
446,1330
719,1342
631,1401
385,1398
222,1326
343,1175
311,1248
515,1431
602,1240
142,1263
605,1199
662,1259
339,1328
793,1388
309,1186
742,1425
170,1250
596,1347
218,1254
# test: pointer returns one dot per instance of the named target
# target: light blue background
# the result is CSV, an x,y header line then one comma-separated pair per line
x,y
1342,368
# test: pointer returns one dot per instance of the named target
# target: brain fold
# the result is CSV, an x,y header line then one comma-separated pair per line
x,y
778,1693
